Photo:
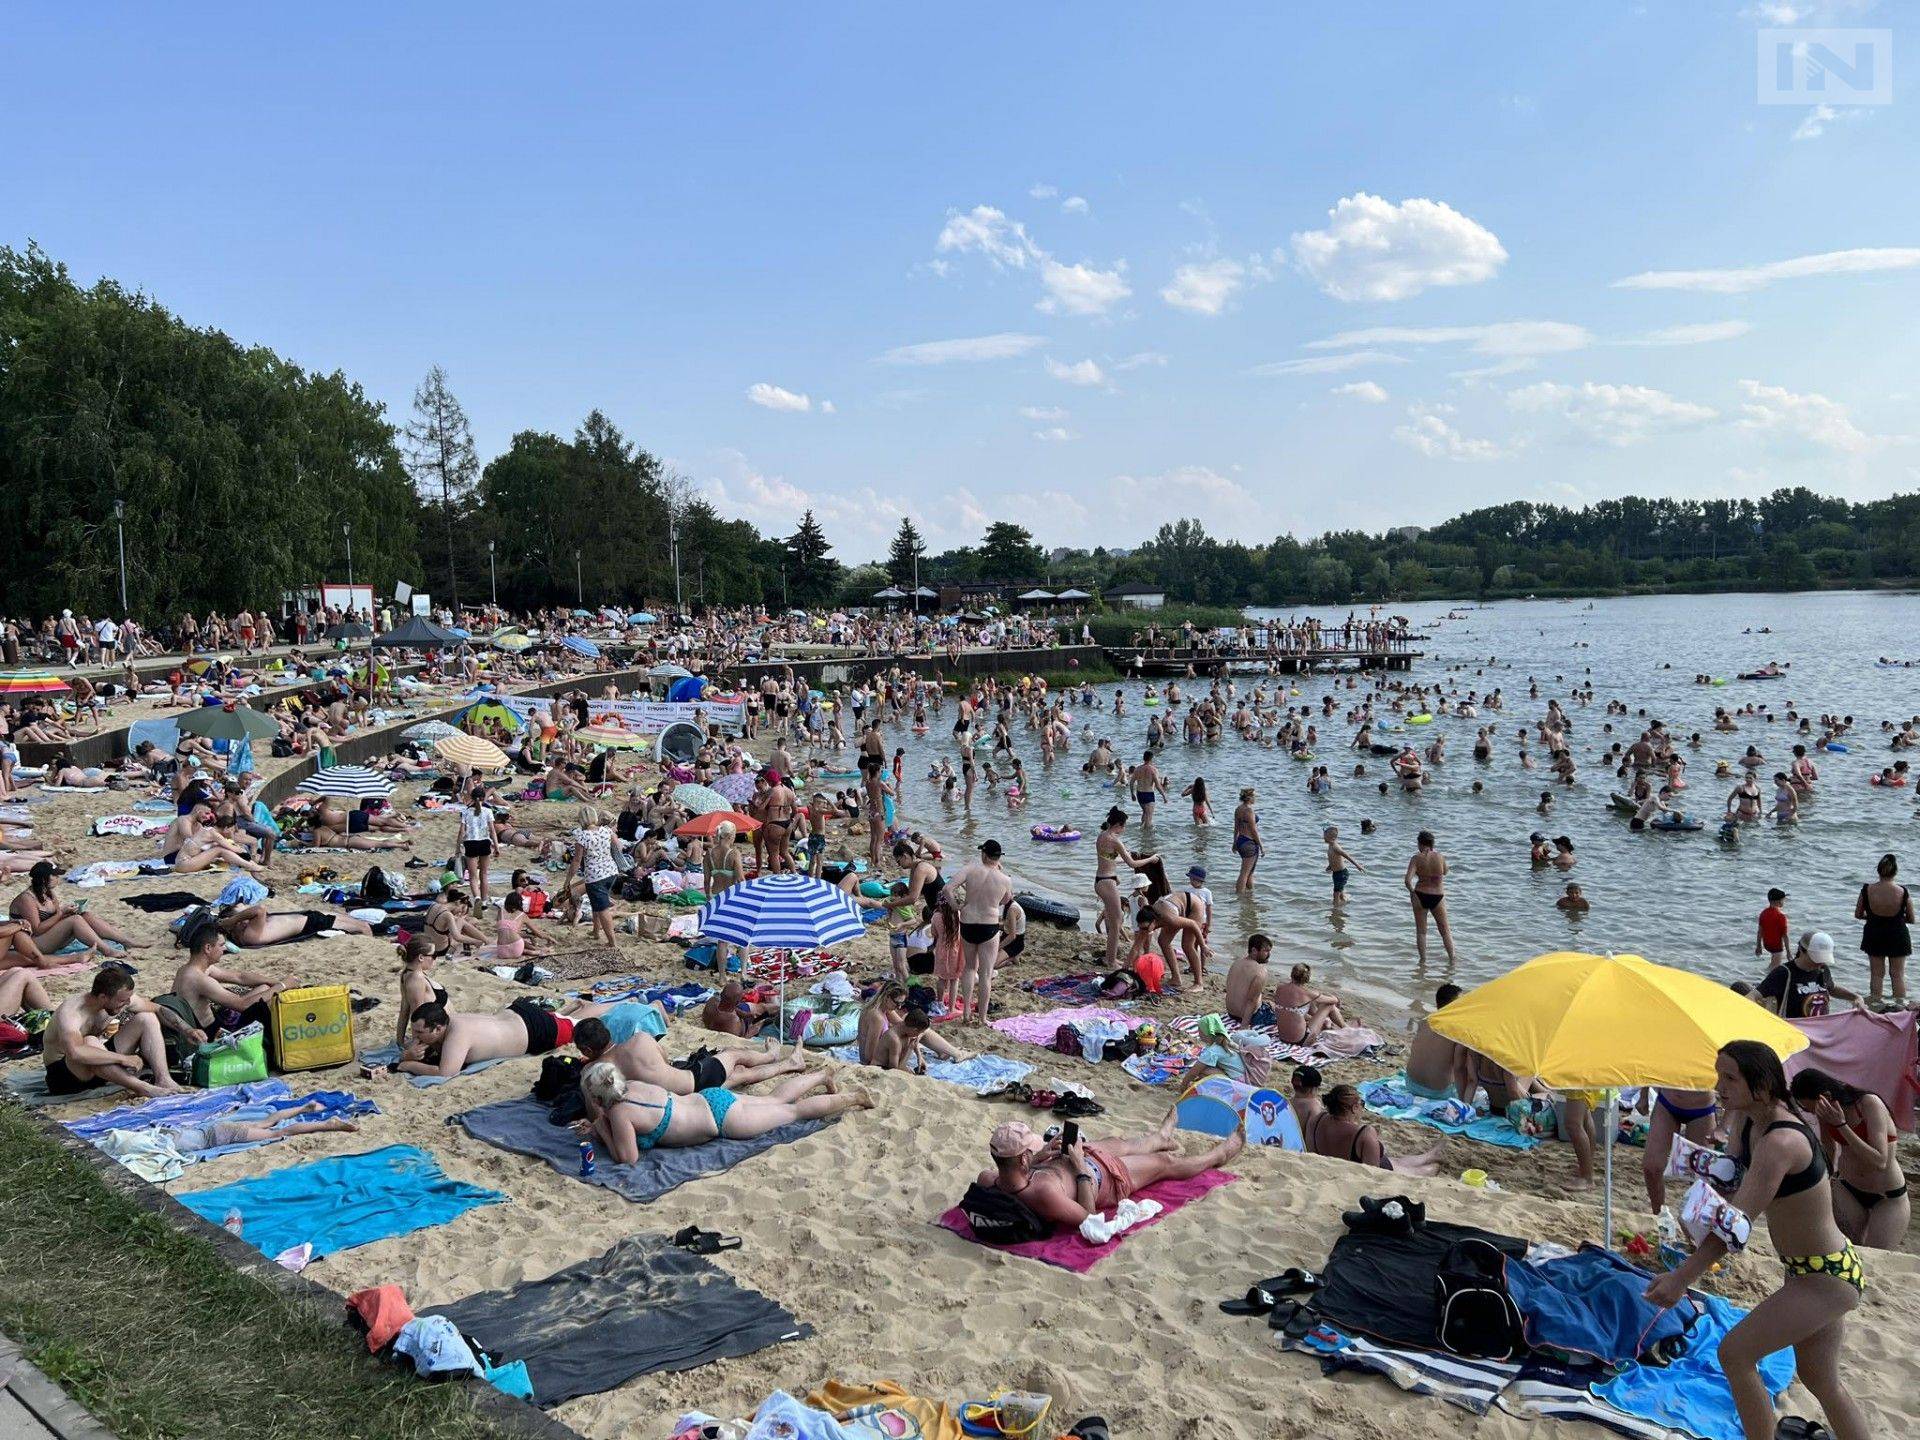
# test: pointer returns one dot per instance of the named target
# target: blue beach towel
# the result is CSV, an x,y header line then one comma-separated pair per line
x,y
980,1074
340,1203
194,1107
1691,1394
1591,1303
1391,1098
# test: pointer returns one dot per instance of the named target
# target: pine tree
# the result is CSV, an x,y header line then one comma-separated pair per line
x,y
903,560
440,457
812,572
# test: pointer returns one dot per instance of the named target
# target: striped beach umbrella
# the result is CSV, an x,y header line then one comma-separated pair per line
x,y
580,645
471,751
610,737
700,799
429,731
31,682
787,912
349,782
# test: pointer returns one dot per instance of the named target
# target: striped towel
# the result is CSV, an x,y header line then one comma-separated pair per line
x,y
1471,1384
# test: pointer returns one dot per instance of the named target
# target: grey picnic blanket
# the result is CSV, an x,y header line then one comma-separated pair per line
x,y
643,1307
522,1127
387,1054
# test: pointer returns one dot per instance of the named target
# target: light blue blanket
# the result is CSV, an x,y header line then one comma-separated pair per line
x,y
338,1204
980,1074
1391,1098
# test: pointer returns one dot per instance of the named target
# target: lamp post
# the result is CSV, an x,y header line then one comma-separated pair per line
x,y
346,529
579,585
673,548
916,584
493,578
120,523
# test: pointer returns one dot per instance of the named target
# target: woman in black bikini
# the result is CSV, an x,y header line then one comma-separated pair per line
x,y
1339,1133
417,986
1783,1177
1870,1201
1886,909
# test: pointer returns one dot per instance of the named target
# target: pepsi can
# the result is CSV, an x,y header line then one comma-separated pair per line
x,y
586,1157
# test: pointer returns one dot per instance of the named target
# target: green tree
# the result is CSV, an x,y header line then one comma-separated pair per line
x,y
441,459
812,572
903,559
1007,552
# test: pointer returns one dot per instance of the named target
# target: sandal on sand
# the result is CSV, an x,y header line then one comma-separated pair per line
x,y
1091,1428
1257,1301
704,1242
1043,1099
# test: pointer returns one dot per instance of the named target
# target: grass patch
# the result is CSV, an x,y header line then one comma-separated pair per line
x,y
160,1338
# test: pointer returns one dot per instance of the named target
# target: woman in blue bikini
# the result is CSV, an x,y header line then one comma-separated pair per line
x,y
631,1116
1675,1112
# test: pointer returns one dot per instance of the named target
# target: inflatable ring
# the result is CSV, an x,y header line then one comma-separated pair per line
x,y
1053,834
1836,748
1419,719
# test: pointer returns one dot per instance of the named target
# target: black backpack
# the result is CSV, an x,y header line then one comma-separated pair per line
x,y
1477,1317
998,1218
376,888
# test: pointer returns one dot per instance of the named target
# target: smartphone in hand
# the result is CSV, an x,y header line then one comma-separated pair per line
x,y
1070,1136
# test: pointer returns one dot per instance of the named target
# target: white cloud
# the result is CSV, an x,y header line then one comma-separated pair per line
x,y
826,408
1503,339
1042,413
1741,279
1775,12
772,397
1814,124
1055,433
1806,420
1365,390
1139,358
1043,191
1701,334
1616,415
1074,205
1219,501
1430,432
1080,289
1004,346
1328,364
1082,372
1206,287
989,232
1514,365
1373,249
861,520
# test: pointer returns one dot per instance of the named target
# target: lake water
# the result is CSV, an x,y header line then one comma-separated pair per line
x,y
1682,899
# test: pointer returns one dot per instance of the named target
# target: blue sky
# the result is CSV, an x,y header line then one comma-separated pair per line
x,y
1087,267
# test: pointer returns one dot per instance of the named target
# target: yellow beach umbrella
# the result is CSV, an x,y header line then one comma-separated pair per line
x,y
1603,1022
1599,1022
472,751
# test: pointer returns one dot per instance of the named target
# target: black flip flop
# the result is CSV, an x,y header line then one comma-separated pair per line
x,y
711,1242
1257,1301
1293,1281
1091,1428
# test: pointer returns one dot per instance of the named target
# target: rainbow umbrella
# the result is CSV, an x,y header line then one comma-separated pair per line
x,y
31,682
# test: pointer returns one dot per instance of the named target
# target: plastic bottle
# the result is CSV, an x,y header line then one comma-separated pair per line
x,y
235,1223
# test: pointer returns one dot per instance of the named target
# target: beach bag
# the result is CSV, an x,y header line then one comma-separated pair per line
x,y
1066,1041
378,887
312,1027
1477,1317
998,1218
234,1059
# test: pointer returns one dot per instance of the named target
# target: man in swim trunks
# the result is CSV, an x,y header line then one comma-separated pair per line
x,y
625,1037
111,1036
220,997
730,1012
1064,1184
1247,984
1147,785
984,892
1438,1068
444,1043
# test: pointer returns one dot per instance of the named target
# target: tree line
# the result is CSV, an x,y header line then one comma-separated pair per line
x,y
235,475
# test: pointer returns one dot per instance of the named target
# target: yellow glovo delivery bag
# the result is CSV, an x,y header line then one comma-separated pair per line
x,y
312,1028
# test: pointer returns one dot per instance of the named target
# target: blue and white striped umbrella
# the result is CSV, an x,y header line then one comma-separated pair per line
x,y
580,645
350,782
784,912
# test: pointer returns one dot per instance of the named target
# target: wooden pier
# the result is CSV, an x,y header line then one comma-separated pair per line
x,y
1205,664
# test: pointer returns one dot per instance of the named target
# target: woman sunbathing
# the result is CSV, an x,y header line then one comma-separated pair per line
x,y
335,827
1340,1133
192,843
631,1116
54,925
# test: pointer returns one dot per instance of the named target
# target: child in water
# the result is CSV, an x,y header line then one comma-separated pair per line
x,y
1573,902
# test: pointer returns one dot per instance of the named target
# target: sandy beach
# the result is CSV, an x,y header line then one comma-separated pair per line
x,y
837,1226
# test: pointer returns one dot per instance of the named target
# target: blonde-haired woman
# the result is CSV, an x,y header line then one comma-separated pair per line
x,y
592,862
722,868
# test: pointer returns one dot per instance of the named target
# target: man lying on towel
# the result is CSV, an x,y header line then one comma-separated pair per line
x,y
632,1116
444,1044
624,1038
1064,1183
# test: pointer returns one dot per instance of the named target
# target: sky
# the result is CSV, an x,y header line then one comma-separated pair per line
x,y
1282,268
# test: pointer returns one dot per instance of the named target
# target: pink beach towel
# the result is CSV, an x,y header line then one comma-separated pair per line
x,y
1069,1251
1875,1053
1038,1029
